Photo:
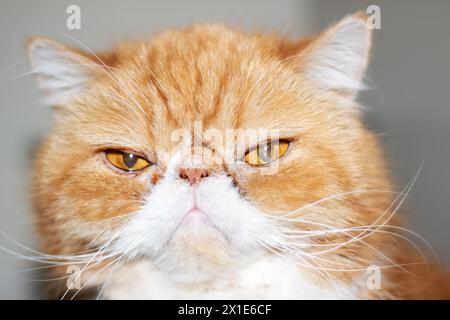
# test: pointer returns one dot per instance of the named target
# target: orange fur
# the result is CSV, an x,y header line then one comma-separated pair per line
x,y
226,79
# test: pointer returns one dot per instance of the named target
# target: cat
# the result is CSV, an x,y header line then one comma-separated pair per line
x,y
306,210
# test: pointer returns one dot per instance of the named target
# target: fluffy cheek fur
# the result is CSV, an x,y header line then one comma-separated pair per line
x,y
195,246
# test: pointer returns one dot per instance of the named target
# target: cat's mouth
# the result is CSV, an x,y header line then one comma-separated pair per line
x,y
198,224
195,215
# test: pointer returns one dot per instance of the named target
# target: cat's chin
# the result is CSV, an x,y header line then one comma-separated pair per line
x,y
198,250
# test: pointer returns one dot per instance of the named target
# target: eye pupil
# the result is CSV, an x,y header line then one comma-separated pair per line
x,y
265,152
129,159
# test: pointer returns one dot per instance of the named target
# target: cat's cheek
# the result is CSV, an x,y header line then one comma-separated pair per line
x,y
194,245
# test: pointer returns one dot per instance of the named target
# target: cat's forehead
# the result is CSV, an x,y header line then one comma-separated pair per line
x,y
220,80
214,75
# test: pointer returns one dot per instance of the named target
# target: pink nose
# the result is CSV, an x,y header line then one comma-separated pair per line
x,y
193,175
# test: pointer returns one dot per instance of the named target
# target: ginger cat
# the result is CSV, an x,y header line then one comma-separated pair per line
x,y
137,191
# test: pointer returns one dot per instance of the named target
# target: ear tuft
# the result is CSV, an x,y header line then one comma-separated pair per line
x,y
337,58
62,72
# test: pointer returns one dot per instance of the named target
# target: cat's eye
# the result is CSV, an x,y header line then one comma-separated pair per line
x,y
126,161
267,152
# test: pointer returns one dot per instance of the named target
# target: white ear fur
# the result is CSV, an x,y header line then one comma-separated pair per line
x,y
62,73
337,58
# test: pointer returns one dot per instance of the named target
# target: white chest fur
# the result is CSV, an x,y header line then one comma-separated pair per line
x,y
267,278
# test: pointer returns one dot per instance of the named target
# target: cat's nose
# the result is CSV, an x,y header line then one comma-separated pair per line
x,y
193,175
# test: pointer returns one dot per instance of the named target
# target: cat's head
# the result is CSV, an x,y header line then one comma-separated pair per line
x,y
137,163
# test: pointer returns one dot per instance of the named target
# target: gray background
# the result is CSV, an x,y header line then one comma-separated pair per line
x,y
408,103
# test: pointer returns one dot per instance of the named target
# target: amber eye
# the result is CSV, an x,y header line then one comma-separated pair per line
x,y
267,152
126,161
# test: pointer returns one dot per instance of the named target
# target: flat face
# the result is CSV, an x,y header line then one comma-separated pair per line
x,y
204,151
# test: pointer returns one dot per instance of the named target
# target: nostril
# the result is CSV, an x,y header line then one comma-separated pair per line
x,y
183,175
193,175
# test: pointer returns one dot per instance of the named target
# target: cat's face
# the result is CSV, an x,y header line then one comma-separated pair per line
x,y
138,162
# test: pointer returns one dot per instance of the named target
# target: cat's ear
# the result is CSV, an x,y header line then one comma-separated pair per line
x,y
62,72
337,58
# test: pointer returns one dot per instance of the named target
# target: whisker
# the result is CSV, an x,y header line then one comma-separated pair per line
x,y
100,251
365,231
129,248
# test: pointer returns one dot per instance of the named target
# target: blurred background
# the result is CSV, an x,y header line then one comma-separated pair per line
x,y
408,104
